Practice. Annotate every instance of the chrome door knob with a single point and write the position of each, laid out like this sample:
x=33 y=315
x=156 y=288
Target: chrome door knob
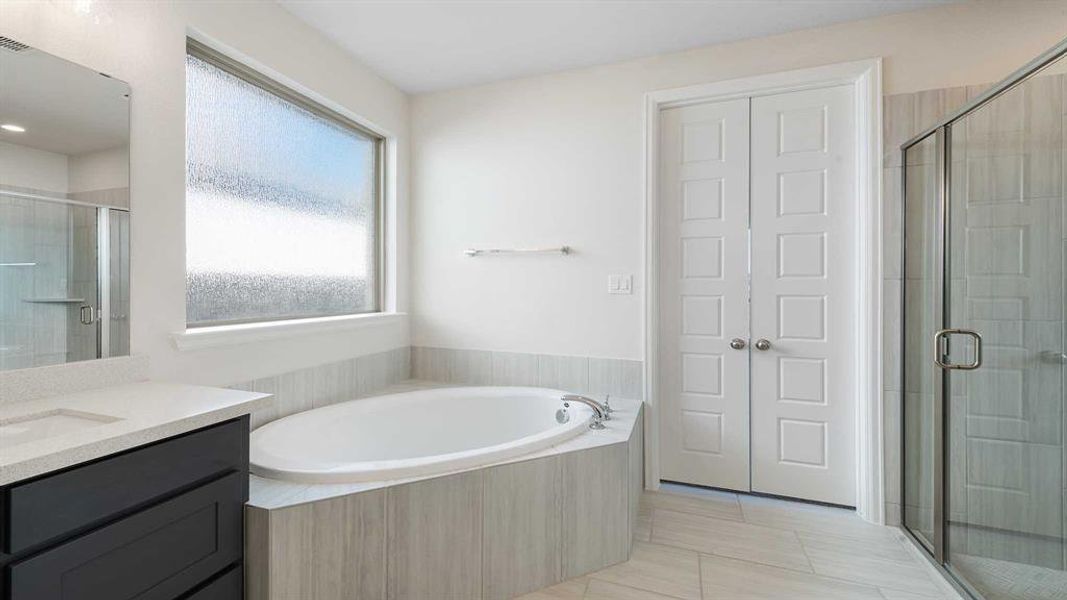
x=737 y=344
x=763 y=344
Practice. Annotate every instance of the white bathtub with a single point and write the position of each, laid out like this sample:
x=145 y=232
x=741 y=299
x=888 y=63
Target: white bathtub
x=412 y=434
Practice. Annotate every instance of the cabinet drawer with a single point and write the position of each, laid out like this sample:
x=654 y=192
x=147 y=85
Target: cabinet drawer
x=229 y=586
x=156 y=554
x=59 y=504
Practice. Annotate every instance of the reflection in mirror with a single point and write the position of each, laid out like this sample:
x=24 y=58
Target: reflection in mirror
x=64 y=210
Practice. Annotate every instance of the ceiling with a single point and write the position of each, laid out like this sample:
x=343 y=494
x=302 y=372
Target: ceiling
x=66 y=108
x=424 y=46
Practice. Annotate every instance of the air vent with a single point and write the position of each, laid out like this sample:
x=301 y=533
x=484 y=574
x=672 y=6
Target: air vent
x=11 y=45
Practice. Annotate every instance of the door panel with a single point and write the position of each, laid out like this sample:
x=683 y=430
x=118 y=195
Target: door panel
x=703 y=294
x=803 y=299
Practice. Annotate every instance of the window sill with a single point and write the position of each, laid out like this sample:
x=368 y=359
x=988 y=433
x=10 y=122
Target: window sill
x=230 y=335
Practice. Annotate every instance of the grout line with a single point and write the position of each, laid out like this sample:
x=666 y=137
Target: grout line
x=700 y=576
x=803 y=550
x=592 y=576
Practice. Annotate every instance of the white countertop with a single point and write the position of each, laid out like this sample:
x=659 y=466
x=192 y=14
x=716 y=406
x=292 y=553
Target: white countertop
x=143 y=412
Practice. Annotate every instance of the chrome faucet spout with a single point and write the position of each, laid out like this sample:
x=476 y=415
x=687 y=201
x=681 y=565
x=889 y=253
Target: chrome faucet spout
x=600 y=413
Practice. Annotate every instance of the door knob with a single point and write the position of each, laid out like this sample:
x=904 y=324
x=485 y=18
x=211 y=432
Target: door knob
x=763 y=344
x=737 y=343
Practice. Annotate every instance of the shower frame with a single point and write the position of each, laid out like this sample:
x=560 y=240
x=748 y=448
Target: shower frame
x=935 y=551
x=102 y=304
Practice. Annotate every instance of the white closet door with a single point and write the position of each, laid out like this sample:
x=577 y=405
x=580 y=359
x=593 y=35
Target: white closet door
x=803 y=296
x=703 y=295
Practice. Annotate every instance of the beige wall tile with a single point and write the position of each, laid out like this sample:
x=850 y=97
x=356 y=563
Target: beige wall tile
x=329 y=550
x=596 y=530
x=435 y=538
x=522 y=527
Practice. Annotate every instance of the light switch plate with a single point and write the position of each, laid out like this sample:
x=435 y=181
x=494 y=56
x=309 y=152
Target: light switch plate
x=620 y=284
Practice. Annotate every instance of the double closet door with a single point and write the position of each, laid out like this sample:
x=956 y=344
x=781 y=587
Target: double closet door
x=756 y=294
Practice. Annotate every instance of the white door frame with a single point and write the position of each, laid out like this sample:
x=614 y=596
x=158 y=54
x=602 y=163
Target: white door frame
x=866 y=77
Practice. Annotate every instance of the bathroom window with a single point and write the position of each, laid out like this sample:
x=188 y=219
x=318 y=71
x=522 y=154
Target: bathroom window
x=283 y=201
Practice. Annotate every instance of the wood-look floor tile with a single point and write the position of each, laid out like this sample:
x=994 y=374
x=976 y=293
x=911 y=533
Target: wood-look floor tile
x=720 y=506
x=888 y=548
x=831 y=557
x=729 y=538
x=661 y=569
x=731 y=579
x=892 y=594
x=571 y=589
x=783 y=514
x=602 y=590
x=643 y=527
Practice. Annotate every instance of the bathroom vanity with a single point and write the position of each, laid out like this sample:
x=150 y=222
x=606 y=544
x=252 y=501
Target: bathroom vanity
x=136 y=491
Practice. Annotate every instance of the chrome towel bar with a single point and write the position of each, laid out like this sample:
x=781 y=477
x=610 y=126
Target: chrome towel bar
x=476 y=252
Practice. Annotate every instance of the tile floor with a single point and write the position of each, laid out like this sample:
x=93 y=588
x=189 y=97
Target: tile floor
x=694 y=544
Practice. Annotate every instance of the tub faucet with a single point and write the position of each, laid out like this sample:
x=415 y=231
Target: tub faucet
x=600 y=414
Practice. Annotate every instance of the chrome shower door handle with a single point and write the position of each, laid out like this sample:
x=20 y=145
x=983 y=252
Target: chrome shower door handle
x=87 y=315
x=943 y=335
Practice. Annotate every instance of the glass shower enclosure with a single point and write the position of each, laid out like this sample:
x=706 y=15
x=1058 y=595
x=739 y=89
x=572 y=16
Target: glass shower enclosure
x=984 y=469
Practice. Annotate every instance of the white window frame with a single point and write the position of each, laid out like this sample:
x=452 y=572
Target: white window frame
x=226 y=334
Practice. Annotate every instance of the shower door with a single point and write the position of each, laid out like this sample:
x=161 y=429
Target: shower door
x=1005 y=419
x=984 y=464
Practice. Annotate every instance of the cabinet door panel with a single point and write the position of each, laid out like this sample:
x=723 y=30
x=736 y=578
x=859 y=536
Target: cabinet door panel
x=159 y=553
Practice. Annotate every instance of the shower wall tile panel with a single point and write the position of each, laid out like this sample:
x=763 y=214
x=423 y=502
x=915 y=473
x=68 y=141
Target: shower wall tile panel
x=993 y=175
x=34 y=334
x=904 y=116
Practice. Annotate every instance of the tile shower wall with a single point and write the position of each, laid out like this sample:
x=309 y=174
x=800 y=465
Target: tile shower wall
x=904 y=115
x=330 y=383
x=34 y=263
x=595 y=376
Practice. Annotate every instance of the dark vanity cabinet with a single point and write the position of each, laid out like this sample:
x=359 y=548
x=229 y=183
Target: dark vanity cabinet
x=160 y=521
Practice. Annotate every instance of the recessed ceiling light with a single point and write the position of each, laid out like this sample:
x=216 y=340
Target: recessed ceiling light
x=13 y=127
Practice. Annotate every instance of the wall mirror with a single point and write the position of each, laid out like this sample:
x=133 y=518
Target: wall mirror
x=64 y=210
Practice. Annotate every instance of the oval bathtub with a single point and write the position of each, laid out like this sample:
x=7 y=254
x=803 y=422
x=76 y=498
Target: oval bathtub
x=411 y=434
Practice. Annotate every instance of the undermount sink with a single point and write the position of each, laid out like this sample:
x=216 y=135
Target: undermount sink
x=42 y=425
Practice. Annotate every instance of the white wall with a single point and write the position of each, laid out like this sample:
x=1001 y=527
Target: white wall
x=558 y=159
x=21 y=166
x=100 y=170
x=143 y=43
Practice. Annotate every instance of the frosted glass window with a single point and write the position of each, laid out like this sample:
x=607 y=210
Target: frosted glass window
x=281 y=203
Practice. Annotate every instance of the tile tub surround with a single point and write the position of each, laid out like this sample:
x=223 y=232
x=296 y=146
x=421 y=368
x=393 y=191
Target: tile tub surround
x=142 y=413
x=330 y=383
x=579 y=374
x=41 y=382
x=491 y=532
